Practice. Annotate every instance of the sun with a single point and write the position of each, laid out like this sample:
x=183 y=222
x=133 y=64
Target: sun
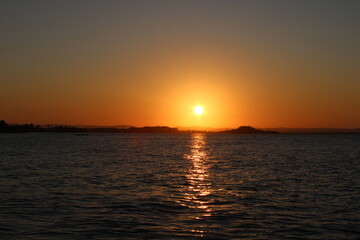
x=198 y=110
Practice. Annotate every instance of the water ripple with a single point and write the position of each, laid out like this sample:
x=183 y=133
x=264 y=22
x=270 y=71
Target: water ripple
x=158 y=186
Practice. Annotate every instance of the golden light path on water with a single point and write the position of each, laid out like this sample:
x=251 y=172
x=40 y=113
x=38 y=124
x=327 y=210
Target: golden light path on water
x=199 y=186
x=204 y=198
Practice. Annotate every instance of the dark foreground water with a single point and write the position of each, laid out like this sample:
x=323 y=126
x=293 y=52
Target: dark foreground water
x=152 y=186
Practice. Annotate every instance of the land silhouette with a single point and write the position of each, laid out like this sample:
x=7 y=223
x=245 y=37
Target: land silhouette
x=23 y=128
x=247 y=129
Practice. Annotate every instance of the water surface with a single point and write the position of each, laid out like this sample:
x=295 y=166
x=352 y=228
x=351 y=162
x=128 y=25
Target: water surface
x=179 y=186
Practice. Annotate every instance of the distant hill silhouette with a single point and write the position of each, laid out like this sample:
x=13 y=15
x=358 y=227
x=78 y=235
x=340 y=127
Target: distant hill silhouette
x=316 y=130
x=162 y=129
x=247 y=130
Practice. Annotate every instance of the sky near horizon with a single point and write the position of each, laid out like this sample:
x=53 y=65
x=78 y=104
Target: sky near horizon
x=262 y=63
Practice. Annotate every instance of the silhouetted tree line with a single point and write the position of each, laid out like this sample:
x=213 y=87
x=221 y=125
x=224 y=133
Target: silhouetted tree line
x=4 y=127
x=22 y=128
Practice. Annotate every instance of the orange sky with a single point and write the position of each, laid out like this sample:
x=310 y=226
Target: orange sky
x=151 y=64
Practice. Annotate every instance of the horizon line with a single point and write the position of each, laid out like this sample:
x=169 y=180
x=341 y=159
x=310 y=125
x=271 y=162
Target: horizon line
x=182 y=127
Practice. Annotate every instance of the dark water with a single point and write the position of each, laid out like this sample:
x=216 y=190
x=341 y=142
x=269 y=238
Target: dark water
x=139 y=186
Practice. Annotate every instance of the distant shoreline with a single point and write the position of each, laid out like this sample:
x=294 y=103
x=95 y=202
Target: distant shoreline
x=27 y=128
x=30 y=128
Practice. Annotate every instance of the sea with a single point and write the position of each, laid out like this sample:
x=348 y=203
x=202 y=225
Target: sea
x=179 y=186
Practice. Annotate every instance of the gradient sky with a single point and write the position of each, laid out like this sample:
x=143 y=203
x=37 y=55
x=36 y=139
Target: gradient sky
x=261 y=63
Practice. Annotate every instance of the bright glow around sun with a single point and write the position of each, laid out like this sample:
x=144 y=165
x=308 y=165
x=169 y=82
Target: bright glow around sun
x=198 y=110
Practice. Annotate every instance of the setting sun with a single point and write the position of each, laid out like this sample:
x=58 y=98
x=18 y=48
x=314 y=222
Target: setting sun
x=198 y=110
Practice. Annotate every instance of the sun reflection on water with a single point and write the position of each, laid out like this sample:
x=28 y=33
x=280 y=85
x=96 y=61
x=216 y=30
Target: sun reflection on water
x=199 y=186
